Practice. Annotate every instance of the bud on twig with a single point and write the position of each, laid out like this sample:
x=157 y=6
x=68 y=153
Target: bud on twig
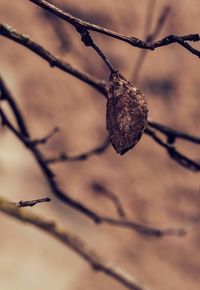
x=126 y=113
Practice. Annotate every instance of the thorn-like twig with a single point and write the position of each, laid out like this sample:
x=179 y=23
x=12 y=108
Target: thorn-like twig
x=30 y=203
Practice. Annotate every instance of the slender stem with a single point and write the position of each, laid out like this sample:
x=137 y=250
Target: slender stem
x=88 y=41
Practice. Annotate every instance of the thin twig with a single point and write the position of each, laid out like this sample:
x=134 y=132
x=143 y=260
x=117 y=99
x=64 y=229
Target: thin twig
x=11 y=33
x=74 y=243
x=30 y=203
x=88 y=41
x=159 y=24
x=173 y=153
x=76 y=22
x=48 y=173
x=149 y=17
x=59 y=30
x=6 y=96
x=173 y=134
x=63 y=157
x=150 y=37
x=146 y=230
x=45 y=139
x=100 y=189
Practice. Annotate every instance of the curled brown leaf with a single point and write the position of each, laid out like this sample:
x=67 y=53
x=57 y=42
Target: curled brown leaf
x=126 y=113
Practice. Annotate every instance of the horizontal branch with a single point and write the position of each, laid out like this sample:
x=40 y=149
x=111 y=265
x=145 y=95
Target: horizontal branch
x=180 y=158
x=77 y=23
x=30 y=203
x=63 y=157
x=74 y=243
x=9 y=32
x=173 y=134
x=145 y=230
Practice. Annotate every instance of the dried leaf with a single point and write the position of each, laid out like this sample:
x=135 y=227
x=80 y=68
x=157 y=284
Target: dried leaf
x=126 y=113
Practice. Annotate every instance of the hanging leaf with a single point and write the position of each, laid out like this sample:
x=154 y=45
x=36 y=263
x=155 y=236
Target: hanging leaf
x=126 y=113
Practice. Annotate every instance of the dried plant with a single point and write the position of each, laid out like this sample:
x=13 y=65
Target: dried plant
x=127 y=120
x=126 y=113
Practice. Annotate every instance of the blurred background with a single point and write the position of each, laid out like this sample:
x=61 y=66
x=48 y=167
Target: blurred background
x=153 y=188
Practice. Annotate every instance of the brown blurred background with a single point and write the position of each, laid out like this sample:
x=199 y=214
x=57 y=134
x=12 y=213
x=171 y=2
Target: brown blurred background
x=153 y=188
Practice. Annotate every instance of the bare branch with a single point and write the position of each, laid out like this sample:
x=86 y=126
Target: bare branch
x=64 y=197
x=21 y=132
x=63 y=157
x=172 y=134
x=74 y=243
x=88 y=41
x=76 y=22
x=100 y=189
x=146 y=230
x=173 y=153
x=171 y=137
x=59 y=30
x=151 y=4
x=150 y=36
x=159 y=24
x=6 y=96
x=48 y=173
x=9 y=32
x=97 y=84
x=30 y=203
x=46 y=138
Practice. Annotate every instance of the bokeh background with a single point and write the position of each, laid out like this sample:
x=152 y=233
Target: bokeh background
x=153 y=188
